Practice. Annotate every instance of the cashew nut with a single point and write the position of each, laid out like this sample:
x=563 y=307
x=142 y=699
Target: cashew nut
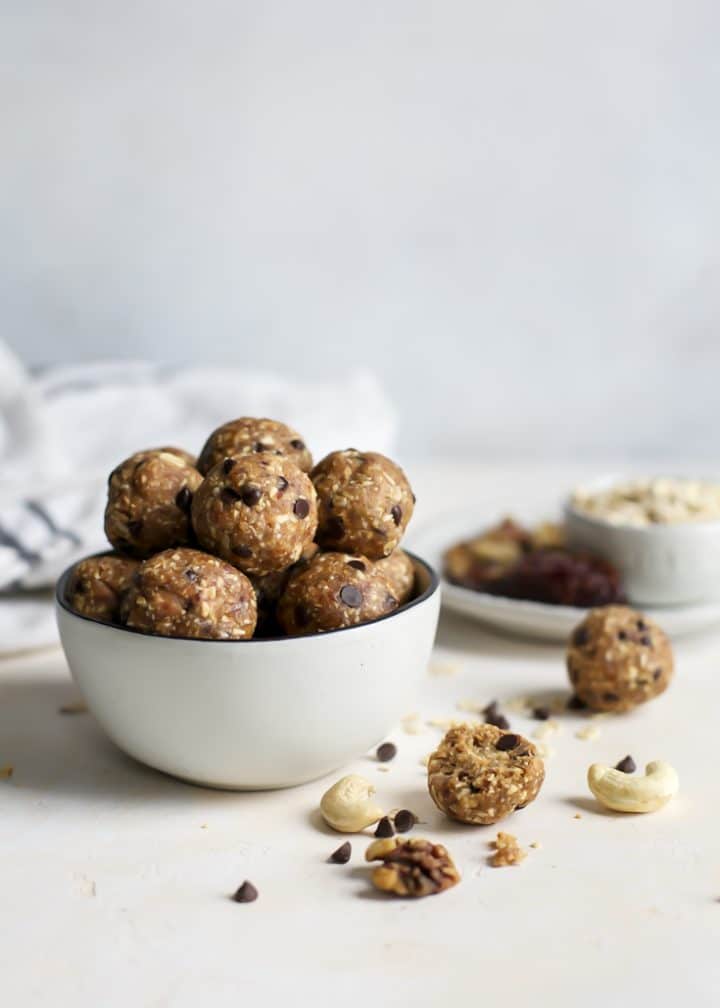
x=348 y=807
x=625 y=793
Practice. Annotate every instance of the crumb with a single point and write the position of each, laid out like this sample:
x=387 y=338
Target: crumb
x=544 y=751
x=383 y=769
x=577 y=815
x=588 y=733
x=412 y=724
x=517 y=704
x=535 y=845
x=76 y=707
x=546 y=728
x=6 y=771
x=444 y=723
x=470 y=706
x=203 y=825
x=443 y=668
x=507 y=851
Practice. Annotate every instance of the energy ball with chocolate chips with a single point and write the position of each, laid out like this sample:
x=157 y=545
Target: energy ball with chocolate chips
x=97 y=585
x=186 y=593
x=364 y=503
x=479 y=774
x=399 y=569
x=254 y=436
x=269 y=589
x=149 y=498
x=618 y=658
x=334 y=590
x=258 y=512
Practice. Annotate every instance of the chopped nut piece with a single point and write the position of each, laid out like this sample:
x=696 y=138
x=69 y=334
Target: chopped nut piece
x=548 y=727
x=507 y=851
x=577 y=816
x=412 y=867
x=77 y=707
x=535 y=844
x=6 y=772
x=443 y=669
x=588 y=733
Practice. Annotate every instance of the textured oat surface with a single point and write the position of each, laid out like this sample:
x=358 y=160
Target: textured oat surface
x=399 y=569
x=97 y=585
x=253 y=435
x=364 y=503
x=618 y=658
x=334 y=590
x=186 y=593
x=149 y=498
x=480 y=774
x=258 y=512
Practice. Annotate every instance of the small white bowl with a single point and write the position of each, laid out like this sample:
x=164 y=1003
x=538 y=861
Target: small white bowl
x=258 y=713
x=661 y=565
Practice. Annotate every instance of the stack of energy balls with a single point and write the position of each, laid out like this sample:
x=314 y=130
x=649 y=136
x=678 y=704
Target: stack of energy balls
x=249 y=539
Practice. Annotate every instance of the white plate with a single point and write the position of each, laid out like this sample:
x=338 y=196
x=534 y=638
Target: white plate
x=531 y=619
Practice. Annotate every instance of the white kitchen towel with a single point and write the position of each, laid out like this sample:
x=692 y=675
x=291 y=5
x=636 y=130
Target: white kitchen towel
x=61 y=433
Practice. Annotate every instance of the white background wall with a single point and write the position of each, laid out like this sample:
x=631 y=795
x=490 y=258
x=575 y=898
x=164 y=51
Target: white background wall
x=509 y=209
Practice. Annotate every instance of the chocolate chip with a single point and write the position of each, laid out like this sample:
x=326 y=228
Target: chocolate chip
x=302 y=616
x=228 y=465
x=297 y=444
x=404 y=820
x=541 y=713
x=641 y=625
x=575 y=703
x=81 y=587
x=396 y=512
x=610 y=697
x=581 y=636
x=342 y=854
x=351 y=596
x=494 y=717
x=414 y=499
x=191 y=575
x=500 y=721
x=230 y=495
x=622 y=635
x=247 y=893
x=135 y=527
x=657 y=673
x=506 y=742
x=250 y=495
x=626 y=765
x=386 y=752
x=282 y=484
x=384 y=828
x=183 y=499
x=519 y=808
x=301 y=507
x=357 y=564
x=242 y=551
x=259 y=447
x=647 y=641
x=334 y=528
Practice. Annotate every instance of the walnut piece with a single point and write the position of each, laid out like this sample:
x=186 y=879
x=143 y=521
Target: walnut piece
x=507 y=851
x=411 y=867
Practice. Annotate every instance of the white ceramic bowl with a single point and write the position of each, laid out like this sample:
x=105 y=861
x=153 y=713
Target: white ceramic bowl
x=661 y=565
x=257 y=713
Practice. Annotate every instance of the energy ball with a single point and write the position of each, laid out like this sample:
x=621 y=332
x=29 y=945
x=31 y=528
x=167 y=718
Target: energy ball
x=334 y=590
x=186 y=593
x=97 y=585
x=149 y=498
x=479 y=774
x=253 y=436
x=618 y=658
x=399 y=569
x=364 y=503
x=258 y=512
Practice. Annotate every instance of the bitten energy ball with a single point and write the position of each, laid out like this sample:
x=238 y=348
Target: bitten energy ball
x=364 y=503
x=149 y=498
x=399 y=569
x=334 y=590
x=618 y=658
x=479 y=774
x=258 y=512
x=97 y=585
x=186 y=593
x=253 y=436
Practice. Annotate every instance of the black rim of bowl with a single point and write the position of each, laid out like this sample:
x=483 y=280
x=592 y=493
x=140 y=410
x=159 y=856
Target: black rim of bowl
x=61 y=585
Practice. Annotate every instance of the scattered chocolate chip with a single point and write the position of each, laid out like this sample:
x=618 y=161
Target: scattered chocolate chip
x=228 y=465
x=297 y=444
x=342 y=854
x=657 y=673
x=301 y=507
x=357 y=564
x=493 y=716
x=541 y=713
x=334 y=528
x=135 y=527
x=302 y=616
x=506 y=742
x=384 y=828
x=626 y=765
x=230 y=495
x=404 y=820
x=183 y=499
x=247 y=893
x=242 y=551
x=414 y=499
x=351 y=596
x=396 y=512
x=386 y=752
x=622 y=635
x=610 y=697
x=575 y=703
x=282 y=484
x=191 y=575
x=581 y=636
x=250 y=495
x=647 y=641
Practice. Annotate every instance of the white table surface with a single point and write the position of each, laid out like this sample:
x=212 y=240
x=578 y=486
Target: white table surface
x=115 y=879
